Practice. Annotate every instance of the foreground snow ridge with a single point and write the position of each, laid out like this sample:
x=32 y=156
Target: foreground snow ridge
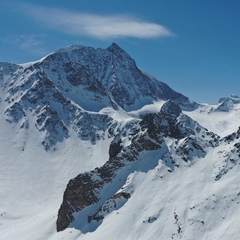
x=93 y=148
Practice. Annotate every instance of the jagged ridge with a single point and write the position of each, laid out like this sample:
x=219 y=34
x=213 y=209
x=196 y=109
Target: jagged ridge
x=85 y=191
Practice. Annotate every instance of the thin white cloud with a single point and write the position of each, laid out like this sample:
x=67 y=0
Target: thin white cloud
x=33 y=43
x=97 y=26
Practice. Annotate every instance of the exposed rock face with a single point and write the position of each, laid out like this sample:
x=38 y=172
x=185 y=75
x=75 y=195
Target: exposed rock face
x=83 y=186
x=114 y=203
x=171 y=108
x=231 y=157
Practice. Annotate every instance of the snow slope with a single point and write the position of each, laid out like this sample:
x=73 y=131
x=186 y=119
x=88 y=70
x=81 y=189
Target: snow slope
x=219 y=122
x=32 y=181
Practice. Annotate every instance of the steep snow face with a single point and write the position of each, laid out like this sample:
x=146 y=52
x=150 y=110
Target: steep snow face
x=75 y=82
x=55 y=101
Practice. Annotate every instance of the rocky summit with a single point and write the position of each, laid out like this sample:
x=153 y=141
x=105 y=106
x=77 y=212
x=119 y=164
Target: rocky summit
x=94 y=148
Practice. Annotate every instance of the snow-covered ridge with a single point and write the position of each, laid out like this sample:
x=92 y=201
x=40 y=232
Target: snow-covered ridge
x=221 y=118
x=234 y=98
x=70 y=48
x=78 y=81
x=128 y=86
x=227 y=103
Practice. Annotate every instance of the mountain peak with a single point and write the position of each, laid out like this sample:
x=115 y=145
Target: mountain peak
x=118 y=73
x=114 y=48
x=233 y=97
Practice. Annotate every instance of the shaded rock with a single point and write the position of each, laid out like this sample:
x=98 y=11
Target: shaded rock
x=114 y=203
x=171 y=108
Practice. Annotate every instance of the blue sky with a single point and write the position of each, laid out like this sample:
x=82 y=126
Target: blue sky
x=191 y=45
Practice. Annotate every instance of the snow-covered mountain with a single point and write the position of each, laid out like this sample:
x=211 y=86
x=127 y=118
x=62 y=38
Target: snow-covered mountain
x=127 y=85
x=94 y=148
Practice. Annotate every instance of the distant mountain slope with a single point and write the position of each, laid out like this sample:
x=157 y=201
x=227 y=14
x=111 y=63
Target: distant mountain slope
x=221 y=118
x=227 y=103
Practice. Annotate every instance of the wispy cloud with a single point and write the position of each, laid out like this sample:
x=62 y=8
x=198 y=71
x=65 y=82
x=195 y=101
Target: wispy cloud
x=33 y=43
x=97 y=26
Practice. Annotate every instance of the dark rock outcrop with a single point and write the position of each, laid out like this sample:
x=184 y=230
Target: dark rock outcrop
x=86 y=189
x=94 y=192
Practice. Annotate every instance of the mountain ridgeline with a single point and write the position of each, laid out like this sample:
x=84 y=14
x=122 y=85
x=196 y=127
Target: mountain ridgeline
x=124 y=83
x=63 y=87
